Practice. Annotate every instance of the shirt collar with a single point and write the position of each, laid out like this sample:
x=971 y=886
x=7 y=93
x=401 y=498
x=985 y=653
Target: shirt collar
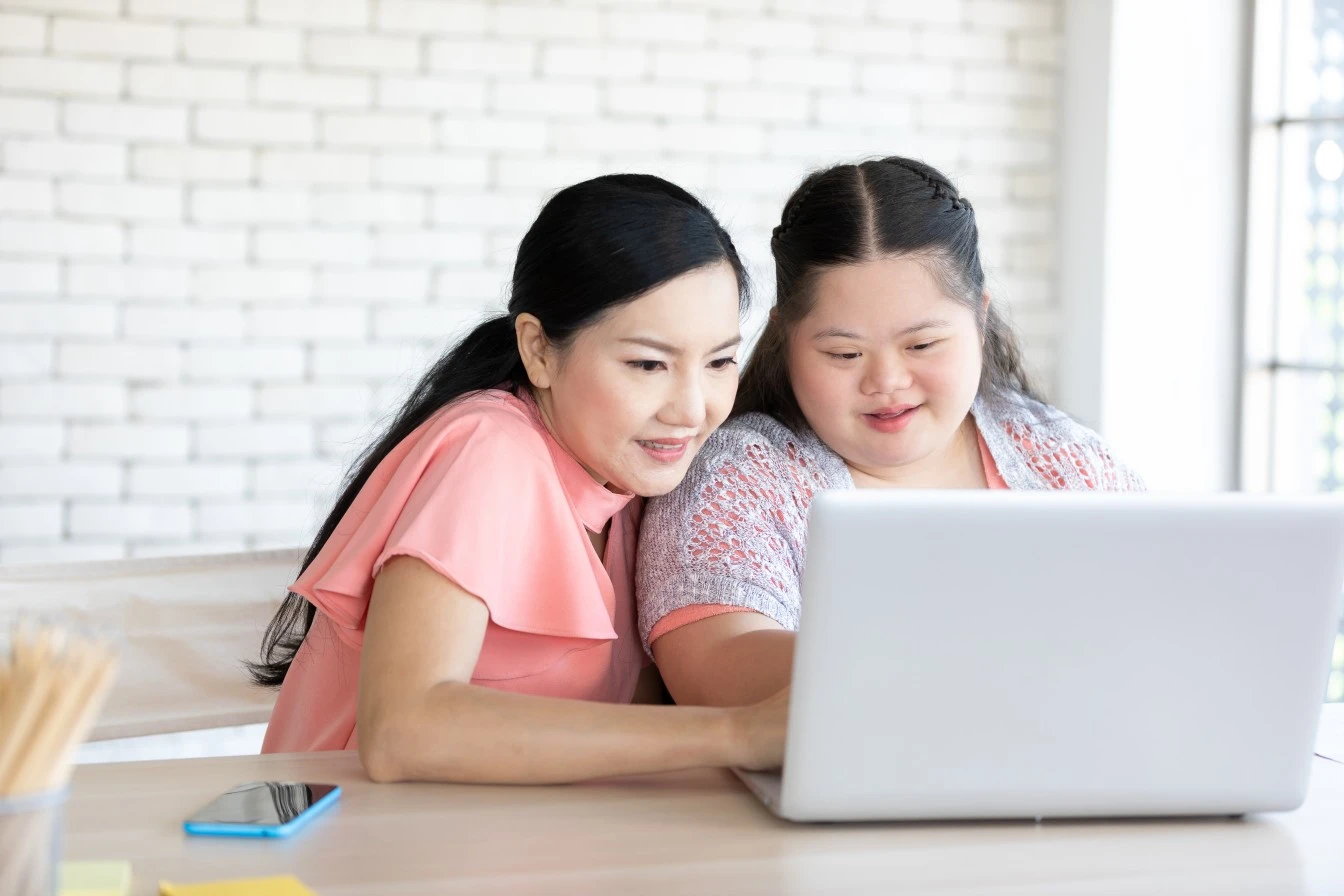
x=595 y=503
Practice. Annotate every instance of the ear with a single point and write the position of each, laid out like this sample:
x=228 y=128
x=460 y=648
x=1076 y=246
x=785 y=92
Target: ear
x=535 y=349
x=984 y=302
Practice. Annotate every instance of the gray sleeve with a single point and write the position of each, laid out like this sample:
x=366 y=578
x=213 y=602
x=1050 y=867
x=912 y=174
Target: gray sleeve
x=728 y=535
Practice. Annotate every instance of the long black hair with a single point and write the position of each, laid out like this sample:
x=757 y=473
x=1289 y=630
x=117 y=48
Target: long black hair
x=849 y=214
x=594 y=246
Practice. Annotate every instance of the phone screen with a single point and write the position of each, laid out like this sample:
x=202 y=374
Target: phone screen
x=262 y=803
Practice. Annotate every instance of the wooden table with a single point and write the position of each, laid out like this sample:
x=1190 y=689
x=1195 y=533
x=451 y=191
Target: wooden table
x=697 y=832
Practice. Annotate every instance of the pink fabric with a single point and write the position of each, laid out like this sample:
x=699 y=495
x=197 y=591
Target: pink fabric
x=992 y=477
x=483 y=494
x=696 y=612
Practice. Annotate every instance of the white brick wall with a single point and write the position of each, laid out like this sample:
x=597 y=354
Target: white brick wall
x=232 y=232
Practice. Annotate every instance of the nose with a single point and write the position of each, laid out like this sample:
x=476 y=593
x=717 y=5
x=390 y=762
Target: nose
x=886 y=373
x=685 y=406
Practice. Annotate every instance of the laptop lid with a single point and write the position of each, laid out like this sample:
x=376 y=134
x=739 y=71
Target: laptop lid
x=1000 y=654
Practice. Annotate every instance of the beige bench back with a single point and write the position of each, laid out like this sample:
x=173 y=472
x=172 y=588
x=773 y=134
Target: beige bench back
x=188 y=624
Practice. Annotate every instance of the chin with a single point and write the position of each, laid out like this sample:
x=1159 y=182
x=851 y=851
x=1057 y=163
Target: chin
x=656 y=482
x=654 y=486
x=876 y=457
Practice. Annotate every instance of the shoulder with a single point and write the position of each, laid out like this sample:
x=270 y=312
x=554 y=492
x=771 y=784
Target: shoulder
x=753 y=465
x=1015 y=412
x=491 y=425
x=1039 y=446
x=749 y=429
x=481 y=444
x=1023 y=416
x=761 y=444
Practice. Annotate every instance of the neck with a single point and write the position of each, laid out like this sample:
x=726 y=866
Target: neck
x=956 y=465
x=542 y=398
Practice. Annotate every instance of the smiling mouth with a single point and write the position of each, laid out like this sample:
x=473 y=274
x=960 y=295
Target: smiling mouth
x=891 y=419
x=664 y=451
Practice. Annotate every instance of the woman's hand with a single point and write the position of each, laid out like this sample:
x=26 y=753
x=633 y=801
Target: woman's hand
x=760 y=729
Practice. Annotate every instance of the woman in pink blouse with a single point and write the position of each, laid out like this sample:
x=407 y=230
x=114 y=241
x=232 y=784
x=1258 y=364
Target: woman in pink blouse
x=884 y=365
x=466 y=611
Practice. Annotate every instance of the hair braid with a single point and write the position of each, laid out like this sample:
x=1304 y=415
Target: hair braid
x=791 y=210
x=942 y=188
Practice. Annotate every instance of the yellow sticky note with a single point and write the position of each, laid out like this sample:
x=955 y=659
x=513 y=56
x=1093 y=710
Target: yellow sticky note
x=282 y=885
x=95 y=878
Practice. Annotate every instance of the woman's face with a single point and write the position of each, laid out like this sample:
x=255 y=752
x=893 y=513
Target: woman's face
x=635 y=395
x=886 y=365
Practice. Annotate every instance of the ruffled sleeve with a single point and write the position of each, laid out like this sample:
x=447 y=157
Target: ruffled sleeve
x=475 y=495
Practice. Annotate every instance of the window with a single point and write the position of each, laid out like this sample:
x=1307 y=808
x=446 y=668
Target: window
x=1293 y=393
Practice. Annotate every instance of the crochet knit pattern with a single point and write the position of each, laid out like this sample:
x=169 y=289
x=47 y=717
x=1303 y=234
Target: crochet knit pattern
x=734 y=532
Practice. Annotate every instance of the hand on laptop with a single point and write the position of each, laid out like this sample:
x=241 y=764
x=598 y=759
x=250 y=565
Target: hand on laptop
x=761 y=729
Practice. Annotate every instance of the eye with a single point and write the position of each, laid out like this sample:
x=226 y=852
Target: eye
x=647 y=366
x=723 y=363
x=924 y=345
x=843 y=356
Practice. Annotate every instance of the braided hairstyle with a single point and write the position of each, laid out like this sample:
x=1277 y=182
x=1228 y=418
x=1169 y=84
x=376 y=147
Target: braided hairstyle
x=849 y=214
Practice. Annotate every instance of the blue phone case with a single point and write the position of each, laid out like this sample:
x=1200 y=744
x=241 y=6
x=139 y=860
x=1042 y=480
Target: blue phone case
x=214 y=829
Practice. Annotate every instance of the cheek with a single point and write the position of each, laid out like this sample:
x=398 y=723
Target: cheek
x=953 y=374
x=600 y=408
x=622 y=413
x=720 y=393
x=816 y=386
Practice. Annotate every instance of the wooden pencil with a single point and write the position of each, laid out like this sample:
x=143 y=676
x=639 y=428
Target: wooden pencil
x=53 y=684
x=51 y=690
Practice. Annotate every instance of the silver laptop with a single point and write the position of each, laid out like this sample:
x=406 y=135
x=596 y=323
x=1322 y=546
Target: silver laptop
x=1018 y=655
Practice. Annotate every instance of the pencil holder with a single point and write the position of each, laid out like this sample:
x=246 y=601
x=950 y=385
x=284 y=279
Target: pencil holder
x=53 y=681
x=30 y=842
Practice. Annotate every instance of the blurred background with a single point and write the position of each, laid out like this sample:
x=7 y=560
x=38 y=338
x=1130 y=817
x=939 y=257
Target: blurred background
x=233 y=232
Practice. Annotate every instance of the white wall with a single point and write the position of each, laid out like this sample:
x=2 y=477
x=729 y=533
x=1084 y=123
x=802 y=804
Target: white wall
x=1151 y=224
x=232 y=230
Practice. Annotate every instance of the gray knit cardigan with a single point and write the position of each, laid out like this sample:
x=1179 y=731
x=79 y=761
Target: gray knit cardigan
x=734 y=532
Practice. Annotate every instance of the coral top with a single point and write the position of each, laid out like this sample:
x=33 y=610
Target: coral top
x=483 y=494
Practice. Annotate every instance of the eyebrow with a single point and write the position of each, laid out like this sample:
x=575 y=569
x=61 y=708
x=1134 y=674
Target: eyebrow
x=837 y=333
x=672 y=349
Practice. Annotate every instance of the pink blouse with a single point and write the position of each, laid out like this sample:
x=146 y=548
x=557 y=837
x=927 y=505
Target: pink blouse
x=483 y=494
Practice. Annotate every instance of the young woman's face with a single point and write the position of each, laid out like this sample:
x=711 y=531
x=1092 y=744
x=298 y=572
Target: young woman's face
x=634 y=396
x=886 y=365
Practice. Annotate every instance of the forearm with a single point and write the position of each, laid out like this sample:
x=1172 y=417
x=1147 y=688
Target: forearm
x=471 y=734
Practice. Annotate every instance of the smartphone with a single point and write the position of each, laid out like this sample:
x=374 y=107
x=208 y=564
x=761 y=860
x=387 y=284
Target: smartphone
x=262 y=809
